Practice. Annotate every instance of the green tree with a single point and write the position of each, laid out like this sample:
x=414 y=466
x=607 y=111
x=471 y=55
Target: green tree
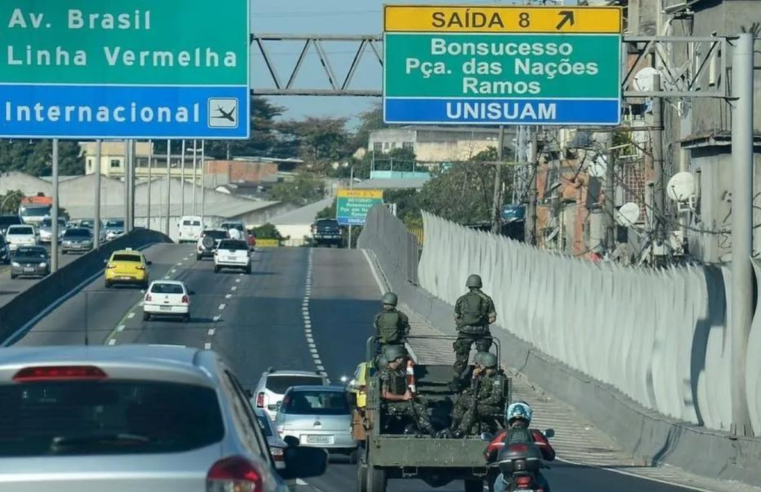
x=10 y=202
x=35 y=157
x=303 y=190
x=319 y=141
x=268 y=231
x=368 y=121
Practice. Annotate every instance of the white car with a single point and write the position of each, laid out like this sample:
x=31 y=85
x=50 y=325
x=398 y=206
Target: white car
x=21 y=235
x=231 y=226
x=169 y=298
x=232 y=253
x=190 y=229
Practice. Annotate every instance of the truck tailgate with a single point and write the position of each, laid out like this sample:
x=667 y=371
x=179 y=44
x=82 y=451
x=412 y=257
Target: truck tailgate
x=407 y=451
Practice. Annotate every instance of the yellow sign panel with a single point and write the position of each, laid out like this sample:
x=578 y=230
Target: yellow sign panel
x=360 y=193
x=267 y=243
x=508 y=19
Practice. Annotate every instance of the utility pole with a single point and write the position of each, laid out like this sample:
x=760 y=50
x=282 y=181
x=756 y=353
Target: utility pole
x=195 y=176
x=126 y=185
x=150 y=184
x=182 y=180
x=351 y=187
x=530 y=219
x=742 y=227
x=168 y=186
x=96 y=224
x=203 y=185
x=496 y=208
x=609 y=205
x=659 y=184
x=132 y=172
x=54 y=214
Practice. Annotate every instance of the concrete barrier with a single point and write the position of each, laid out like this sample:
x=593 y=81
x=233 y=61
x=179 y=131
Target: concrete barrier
x=642 y=432
x=15 y=317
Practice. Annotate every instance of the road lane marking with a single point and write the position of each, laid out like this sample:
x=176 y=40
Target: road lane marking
x=237 y=280
x=222 y=306
x=233 y=288
x=131 y=315
x=211 y=332
x=207 y=346
x=112 y=341
x=308 y=320
x=216 y=318
x=227 y=296
x=120 y=328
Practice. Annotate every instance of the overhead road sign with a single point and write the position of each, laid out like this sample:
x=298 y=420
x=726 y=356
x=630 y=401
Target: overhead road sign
x=502 y=65
x=352 y=206
x=124 y=69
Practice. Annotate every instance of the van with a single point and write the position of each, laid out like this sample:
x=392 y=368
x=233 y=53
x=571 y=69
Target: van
x=190 y=229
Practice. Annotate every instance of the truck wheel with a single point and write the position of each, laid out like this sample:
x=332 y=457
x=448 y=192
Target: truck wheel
x=474 y=485
x=376 y=479
x=354 y=457
x=361 y=477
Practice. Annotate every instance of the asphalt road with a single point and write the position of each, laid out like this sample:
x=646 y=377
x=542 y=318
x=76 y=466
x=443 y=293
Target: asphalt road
x=260 y=320
x=11 y=288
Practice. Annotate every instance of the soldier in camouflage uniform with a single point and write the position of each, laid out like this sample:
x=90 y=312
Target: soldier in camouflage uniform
x=473 y=313
x=484 y=398
x=391 y=326
x=397 y=398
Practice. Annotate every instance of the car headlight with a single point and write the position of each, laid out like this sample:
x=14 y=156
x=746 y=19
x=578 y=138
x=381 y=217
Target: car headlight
x=16 y=264
x=43 y=264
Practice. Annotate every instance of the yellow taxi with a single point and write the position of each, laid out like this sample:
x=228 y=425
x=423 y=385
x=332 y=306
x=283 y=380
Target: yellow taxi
x=358 y=384
x=127 y=267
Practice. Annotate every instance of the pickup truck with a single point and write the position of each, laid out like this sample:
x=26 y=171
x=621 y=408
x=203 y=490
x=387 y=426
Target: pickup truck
x=385 y=454
x=327 y=231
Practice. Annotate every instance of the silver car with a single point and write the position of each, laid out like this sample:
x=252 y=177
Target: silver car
x=277 y=445
x=113 y=228
x=46 y=229
x=318 y=417
x=133 y=418
x=273 y=384
x=30 y=261
x=77 y=240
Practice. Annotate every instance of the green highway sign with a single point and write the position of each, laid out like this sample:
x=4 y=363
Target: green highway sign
x=125 y=69
x=352 y=206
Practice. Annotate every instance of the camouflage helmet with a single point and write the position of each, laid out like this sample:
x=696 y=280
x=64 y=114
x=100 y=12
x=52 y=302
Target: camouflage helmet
x=382 y=362
x=393 y=352
x=474 y=282
x=390 y=299
x=486 y=359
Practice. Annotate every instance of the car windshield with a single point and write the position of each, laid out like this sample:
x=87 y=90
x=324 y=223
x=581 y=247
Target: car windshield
x=76 y=418
x=36 y=211
x=36 y=253
x=125 y=257
x=115 y=223
x=316 y=403
x=233 y=245
x=327 y=224
x=21 y=231
x=167 y=288
x=195 y=223
x=77 y=233
x=216 y=234
x=264 y=423
x=280 y=384
x=87 y=223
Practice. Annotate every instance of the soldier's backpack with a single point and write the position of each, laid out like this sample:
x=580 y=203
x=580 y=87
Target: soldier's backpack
x=474 y=310
x=388 y=327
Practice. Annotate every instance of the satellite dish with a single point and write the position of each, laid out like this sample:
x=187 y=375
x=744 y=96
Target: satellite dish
x=628 y=214
x=643 y=81
x=681 y=187
x=598 y=166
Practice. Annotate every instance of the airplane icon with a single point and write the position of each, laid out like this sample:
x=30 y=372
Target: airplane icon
x=225 y=115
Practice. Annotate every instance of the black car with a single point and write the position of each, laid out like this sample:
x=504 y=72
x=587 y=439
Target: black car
x=327 y=231
x=9 y=220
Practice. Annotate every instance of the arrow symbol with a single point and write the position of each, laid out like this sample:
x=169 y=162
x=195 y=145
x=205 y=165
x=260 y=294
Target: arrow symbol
x=567 y=16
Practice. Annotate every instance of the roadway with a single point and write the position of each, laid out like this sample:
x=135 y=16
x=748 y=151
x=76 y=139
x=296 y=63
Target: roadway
x=11 y=288
x=259 y=320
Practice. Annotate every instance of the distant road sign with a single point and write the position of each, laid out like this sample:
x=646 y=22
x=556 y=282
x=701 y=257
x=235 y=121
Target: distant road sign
x=125 y=69
x=352 y=205
x=502 y=65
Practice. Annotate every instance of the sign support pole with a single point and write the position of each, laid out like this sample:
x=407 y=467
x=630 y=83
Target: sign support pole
x=496 y=212
x=351 y=187
x=182 y=180
x=96 y=225
x=168 y=186
x=203 y=185
x=54 y=212
x=150 y=183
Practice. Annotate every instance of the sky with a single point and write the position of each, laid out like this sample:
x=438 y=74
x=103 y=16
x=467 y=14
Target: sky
x=325 y=17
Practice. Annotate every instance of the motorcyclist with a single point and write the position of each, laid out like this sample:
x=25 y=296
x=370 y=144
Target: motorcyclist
x=518 y=417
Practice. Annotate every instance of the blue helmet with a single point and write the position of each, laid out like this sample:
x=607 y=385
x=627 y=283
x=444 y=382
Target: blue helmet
x=519 y=410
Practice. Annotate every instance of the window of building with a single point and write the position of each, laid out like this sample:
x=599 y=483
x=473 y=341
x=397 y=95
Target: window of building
x=408 y=146
x=89 y=164
x=116 y=163
x=377 y=147
x=385 y=145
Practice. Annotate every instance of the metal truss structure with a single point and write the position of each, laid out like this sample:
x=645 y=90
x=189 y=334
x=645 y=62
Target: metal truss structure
x=702 y=74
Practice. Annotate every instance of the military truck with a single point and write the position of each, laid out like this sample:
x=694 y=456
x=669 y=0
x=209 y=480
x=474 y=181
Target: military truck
x=388 y=449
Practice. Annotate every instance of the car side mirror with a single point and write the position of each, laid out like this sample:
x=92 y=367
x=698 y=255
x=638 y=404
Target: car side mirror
x=291 y=441
x=105 y=262
x=304 y=462
x=192 y=293
x=549 y=433
x=487 y=436
x=148 y=262
x=249 y=393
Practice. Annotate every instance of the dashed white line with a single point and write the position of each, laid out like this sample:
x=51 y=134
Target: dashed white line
x=237 y=280
x=308 y=321
x=227 y=296
x=222 y=306
x=120 y=328
x=321 y=368
x=207 y=346
x=211 y=332
x=233 y=288
x=310 y=340
x=130 y=315
x=316 y=356
x=112 y=341
x=216 y=318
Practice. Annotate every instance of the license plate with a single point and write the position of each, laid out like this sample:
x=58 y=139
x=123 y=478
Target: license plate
x=125 y=278
x=319 y=439
x=166 y=308
x=28 y=270
x=231 y=258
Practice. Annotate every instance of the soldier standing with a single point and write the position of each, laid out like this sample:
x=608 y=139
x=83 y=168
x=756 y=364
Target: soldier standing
x=484 y=398
x=391 y=325
x=396 y=395
x=473 y=313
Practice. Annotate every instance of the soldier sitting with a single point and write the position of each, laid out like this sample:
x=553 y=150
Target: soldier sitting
x=391 y=325
x=397 y=398
x=485 y=397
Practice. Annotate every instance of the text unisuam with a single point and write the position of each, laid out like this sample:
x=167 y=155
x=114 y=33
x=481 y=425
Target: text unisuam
x=116 y=55
x=501 y=111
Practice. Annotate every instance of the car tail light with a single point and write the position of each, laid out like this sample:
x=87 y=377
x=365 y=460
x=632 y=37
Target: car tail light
x=148 y=298
x=523 y=481
x=58 y=372
x=260 y=400
x=185 y=299
x=518 y=448
x=234 y=474
x=277 y=454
